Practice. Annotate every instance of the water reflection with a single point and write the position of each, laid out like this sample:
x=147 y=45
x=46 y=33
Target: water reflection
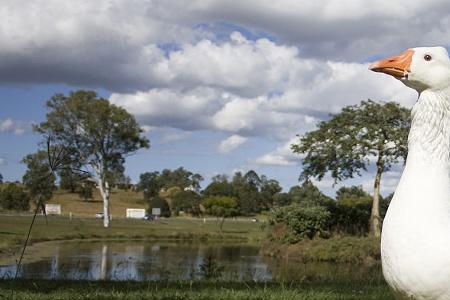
x=141 y=261
x=174 y=261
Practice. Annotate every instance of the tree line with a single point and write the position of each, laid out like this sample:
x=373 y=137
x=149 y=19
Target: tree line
x=85 y=140
x=303 y=208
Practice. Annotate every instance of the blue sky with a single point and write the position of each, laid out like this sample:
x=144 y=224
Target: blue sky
x=170 y=148
x=219 y=86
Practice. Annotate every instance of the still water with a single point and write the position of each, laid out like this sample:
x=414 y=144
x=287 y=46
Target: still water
x=141 y=260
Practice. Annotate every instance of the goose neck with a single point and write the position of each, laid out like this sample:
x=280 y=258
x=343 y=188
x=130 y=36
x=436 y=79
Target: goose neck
x=429 y=137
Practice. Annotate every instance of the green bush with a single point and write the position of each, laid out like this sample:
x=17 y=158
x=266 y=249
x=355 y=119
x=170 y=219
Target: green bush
x=14 y=197
x=304 y=221
x=352 y=215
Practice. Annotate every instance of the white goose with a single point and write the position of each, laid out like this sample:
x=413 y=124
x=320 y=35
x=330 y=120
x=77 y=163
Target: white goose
x=415 y=242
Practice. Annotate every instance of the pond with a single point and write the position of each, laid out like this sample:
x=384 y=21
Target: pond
x=142 y=260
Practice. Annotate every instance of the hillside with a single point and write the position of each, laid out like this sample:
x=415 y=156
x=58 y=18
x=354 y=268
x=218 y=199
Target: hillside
x=120 y=200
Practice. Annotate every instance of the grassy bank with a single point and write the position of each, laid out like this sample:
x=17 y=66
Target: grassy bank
x=336 y=249
x=14 y=228
x=197 y=290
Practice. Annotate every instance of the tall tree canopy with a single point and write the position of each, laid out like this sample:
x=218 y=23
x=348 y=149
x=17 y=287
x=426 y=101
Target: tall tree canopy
x=219 y=186
x=181 y=178
x=150 y=184
x=345 y=144
x=95 y=134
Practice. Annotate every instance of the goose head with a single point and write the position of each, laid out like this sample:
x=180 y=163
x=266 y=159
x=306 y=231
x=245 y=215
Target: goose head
x=419 y=68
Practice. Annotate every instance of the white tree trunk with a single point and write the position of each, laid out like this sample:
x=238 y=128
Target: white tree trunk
x=104 y=191
x=375 y=218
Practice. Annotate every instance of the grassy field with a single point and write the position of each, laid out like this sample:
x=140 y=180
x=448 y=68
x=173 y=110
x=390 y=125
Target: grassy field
x=13 y=230
x=197 y=290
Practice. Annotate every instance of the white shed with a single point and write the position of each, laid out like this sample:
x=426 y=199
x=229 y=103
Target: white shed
x=135 y=213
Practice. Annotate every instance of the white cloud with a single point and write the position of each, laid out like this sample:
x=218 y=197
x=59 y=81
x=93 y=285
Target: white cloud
x=281 y=156
x=262 y=68
x=2 y=161
x=13 y=126
x=130 y=45
x=231 y=143
x=279 y=94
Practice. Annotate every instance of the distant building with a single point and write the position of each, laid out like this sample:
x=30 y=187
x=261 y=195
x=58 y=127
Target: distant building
x=136 y=213
x=53 y=209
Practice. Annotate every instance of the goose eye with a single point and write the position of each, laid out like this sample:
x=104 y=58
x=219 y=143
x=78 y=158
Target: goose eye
x=427 y=57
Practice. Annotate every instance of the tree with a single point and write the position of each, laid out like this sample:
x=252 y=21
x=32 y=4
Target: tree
x=220 y=186
x=352 y=211
x=123 y=182
x=186 y=201
x=69 y=180
x=150 y=184
x=344 y=145
x=246 y=192
x=268 y=189
x=308 y=193
x=161 y=203
x=39 y=178
x=1 y=178
x=14 y=197
x=85 y=189
x=353 y=192
x=181 y=178
x=282 y=199
x=253 y=180
x=221 y=207
x=95 y=134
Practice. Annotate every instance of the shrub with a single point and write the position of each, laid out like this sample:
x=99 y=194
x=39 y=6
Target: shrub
x=14 y=197
x=304 y=221
x=352 y=215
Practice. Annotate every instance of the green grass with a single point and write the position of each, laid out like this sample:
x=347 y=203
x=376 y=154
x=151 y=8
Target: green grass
x=197 y=290
x=13 y=230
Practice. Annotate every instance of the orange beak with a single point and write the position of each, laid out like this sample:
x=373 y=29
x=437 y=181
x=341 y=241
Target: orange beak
x=398 y=66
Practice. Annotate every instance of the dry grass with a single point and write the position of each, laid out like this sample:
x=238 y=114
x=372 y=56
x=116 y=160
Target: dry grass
x=120 y=201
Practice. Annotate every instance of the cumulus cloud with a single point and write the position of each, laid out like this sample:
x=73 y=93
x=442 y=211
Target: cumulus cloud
x=231 y=143
x=12 y=126
x=123 y=45
x=285 y=95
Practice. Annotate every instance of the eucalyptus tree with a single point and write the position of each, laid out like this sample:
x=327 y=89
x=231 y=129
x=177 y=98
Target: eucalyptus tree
x=94 y=134
x=347 y=143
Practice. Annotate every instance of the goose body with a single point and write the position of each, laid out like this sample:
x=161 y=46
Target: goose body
x=415 y=241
